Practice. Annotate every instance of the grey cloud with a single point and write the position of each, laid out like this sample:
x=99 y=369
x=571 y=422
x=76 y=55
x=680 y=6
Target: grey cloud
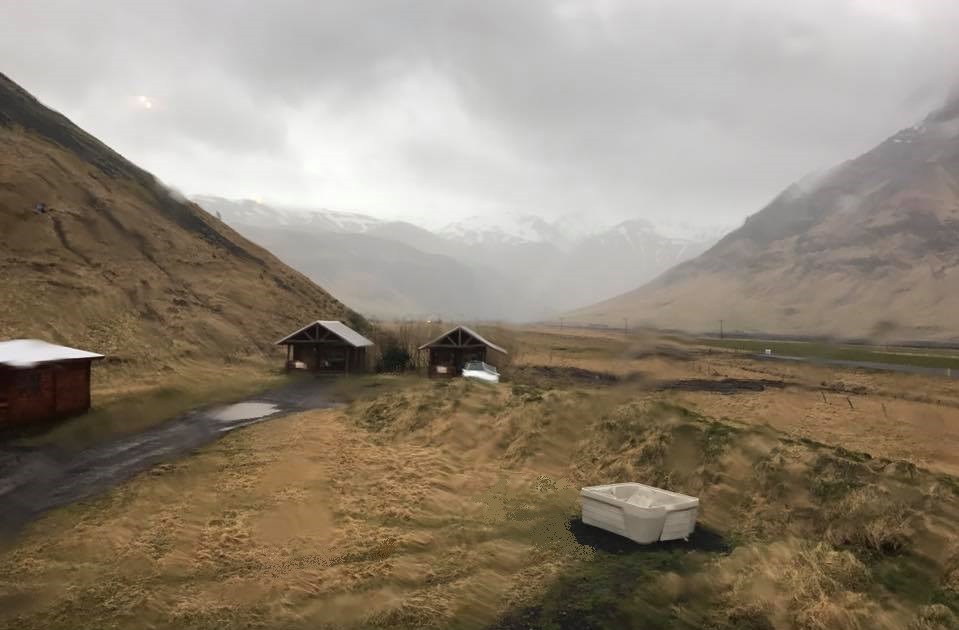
x=654 y=108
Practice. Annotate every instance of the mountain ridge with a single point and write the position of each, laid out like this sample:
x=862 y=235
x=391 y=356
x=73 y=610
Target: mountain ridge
x=867 y=248
x=512 y=276
x=120 y=264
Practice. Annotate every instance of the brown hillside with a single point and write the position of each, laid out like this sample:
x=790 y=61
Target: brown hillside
x=870 y=248
x=120 y=264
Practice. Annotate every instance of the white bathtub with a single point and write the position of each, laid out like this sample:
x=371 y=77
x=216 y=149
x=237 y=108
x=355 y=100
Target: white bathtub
x=641 y=513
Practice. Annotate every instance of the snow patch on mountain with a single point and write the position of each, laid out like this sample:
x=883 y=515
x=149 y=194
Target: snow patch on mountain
x=563 y=232
x=500 y=230
x=569 y=230
x=257 y=214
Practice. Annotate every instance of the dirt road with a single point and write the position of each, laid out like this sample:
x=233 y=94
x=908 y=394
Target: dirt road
x=36 y=479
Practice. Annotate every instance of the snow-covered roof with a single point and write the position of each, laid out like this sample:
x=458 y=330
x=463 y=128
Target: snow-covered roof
x=339 y=329
x=29 y=352
x=470 y=332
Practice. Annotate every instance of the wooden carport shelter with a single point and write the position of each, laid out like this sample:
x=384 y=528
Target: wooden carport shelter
x=326 y=346
x=453 y=349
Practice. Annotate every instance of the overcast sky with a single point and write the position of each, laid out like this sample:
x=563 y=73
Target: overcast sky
x=693 y=109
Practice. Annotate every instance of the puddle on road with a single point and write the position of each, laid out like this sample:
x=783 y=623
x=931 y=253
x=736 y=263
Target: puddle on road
x=244 y=411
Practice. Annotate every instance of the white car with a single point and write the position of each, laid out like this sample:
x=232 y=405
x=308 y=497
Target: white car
x=481 y=371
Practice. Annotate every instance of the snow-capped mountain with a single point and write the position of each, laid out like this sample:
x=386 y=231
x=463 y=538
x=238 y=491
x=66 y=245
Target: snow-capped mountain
x=641 y=237
x=568 y=231
x=255 y=213
x=524 y=266
x=614 y=260
x=506 y=229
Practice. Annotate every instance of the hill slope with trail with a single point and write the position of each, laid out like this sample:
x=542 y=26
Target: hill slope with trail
x=117 y=263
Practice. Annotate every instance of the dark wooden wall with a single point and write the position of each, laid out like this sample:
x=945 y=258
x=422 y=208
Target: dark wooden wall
x=343 y=358
x=453 y=359
x=45 y=392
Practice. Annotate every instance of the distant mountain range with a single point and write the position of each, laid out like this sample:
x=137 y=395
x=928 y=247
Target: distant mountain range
x=568 y=231
x=869 y=248
x=120 y=264
x=518 y=267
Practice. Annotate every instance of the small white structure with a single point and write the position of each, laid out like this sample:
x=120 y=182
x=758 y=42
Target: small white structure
x=641 y=513
x=480 y=371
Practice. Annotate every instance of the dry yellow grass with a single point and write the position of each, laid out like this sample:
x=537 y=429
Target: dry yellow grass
x=453 y=504
x=301 y=520
x=888 y=415
x=799 y=584
x=901 y=416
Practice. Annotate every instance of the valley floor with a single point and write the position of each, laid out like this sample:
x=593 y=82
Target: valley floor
x=828 y=502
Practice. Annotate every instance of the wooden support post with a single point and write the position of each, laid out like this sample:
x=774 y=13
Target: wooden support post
x=850 y=402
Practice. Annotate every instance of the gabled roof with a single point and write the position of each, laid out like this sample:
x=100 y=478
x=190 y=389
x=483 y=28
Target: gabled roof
x=468 y=331
x=29 y=352
x=339 y=329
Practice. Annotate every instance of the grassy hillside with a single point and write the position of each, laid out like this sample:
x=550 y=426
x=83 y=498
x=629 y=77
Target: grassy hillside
x=120 y=264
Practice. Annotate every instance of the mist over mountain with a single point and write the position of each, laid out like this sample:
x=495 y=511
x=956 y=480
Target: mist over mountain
x=515 y=267
x=866 y=248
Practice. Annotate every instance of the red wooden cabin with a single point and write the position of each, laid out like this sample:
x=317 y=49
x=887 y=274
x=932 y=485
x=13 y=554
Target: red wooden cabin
x=41 y=381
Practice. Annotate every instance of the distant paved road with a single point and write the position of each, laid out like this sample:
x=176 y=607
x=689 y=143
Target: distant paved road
x=34 y=480
x=868 y=365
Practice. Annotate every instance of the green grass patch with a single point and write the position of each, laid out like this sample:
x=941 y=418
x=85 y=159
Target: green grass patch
x=716 y=438
x=910 y=577
x=843 y=352
x=832 y=478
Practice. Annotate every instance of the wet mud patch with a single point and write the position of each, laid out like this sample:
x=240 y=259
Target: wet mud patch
x=672 y=353
x=567 y=376
x=722 y=386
